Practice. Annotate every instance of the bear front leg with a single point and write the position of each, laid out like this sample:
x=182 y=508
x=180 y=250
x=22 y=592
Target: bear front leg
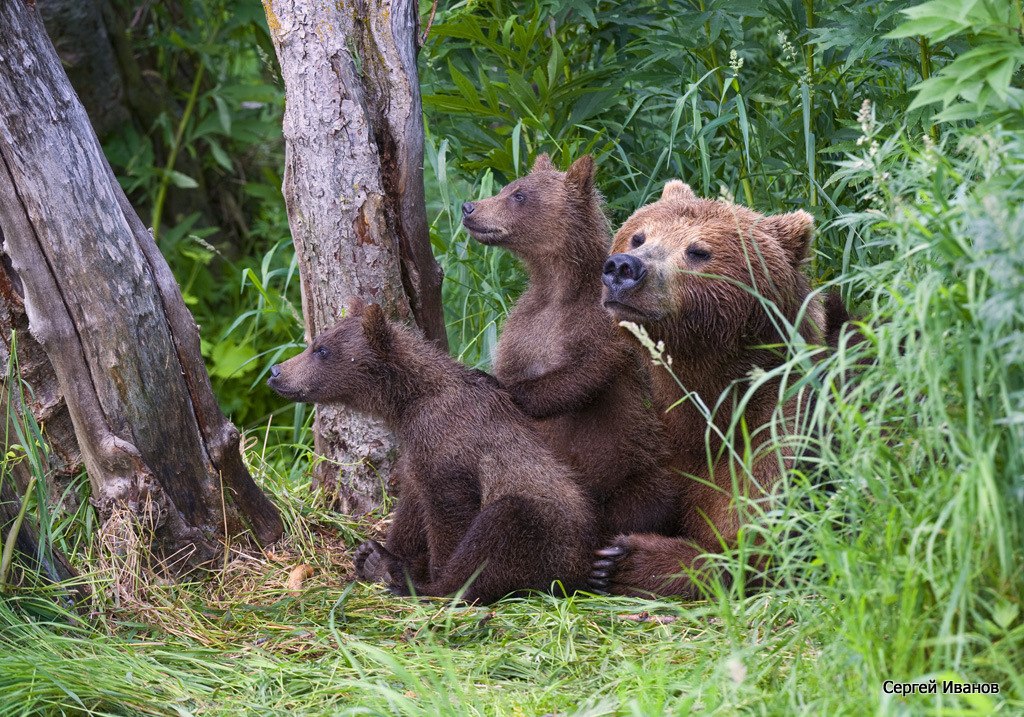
x=374 y=564
x=647 y=565
x=407 y=534
x=588 y=371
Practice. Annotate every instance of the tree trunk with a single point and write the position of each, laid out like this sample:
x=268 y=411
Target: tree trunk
x=353 y=184
x=103 y=304
x=32 y=407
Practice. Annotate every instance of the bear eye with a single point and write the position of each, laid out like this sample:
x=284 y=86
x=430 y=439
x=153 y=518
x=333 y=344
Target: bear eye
x=637 y=240
x=519 y=197
x=321 y=351
x=696 y=253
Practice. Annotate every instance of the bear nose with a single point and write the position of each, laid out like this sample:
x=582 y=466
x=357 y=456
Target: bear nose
x=275 y=371
x=467 y=208
x=623 y=271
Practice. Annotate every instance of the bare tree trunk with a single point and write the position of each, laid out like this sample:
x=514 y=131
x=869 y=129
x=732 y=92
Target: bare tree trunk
x=103 y=304
x=31 y=397
x=41 y=396
x=353 y=184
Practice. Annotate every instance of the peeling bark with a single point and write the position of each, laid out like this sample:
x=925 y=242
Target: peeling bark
x=353 y=185
x=102 y=303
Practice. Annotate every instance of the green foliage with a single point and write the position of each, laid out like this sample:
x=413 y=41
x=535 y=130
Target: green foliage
x=982 y=76
x=223 y=227
x=748 y=99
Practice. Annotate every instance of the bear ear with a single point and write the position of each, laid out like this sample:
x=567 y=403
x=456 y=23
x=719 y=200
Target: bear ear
x=355 y=307
x=676 y=189
x=542 y=163
x=376 y=329
x=793 y=230
x=580 y=176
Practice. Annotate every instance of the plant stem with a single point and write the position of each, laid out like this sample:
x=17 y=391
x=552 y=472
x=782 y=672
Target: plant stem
x=926 y=72
x=808 y=98
x=714 y=55
x=12 y=536
x=161 y=195
x=809 y=55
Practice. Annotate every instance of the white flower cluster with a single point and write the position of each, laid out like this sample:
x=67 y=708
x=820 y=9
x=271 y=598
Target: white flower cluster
x=735 y=62
x=789 y=51
x=657 y=350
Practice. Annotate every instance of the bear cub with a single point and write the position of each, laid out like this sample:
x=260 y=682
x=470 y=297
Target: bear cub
x=484 y=504
x=562 y=357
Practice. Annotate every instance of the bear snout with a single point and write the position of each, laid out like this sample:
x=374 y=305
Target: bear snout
x=281 y=386
x=623 y=272
x=467 y=208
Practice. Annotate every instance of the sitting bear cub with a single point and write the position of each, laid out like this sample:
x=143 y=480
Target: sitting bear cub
x=484 y=504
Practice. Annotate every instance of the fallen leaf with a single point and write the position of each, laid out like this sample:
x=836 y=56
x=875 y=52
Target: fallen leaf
x=297 y=576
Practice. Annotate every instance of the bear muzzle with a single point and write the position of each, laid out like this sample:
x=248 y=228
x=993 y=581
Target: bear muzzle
x=622 y=274
x=280 y=385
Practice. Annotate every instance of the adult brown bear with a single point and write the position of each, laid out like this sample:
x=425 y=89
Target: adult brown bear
x=484 y=503
x=718 y=284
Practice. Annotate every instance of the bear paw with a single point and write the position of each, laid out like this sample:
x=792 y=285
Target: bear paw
x=372 y=563
x=604 y=569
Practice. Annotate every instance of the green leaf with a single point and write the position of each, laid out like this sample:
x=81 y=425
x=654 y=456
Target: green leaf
x=935 y=29
x=223 y=113
x=181 y=180
x=1004 y=613
x=934 y=89
x=230 y=359
x=219 y=155
x=555 y=62
x=465 y=87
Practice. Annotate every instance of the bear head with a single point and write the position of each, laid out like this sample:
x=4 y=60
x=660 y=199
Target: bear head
x=697 y=273
x=347 y=364
x=540 y=216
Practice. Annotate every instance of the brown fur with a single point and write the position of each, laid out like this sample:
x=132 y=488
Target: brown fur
x=716 y=332
x=563 y=359
x=480 y=492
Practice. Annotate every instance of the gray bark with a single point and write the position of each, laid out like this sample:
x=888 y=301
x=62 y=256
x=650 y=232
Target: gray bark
x=32 y=397
x=103 y=304
x=353 y=184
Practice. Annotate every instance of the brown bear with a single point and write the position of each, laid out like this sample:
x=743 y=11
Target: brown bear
x=719 y=284
x=562 y=357
x=484 y=505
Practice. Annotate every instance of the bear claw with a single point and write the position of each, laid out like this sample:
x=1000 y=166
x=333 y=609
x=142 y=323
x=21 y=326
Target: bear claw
x=603 y=569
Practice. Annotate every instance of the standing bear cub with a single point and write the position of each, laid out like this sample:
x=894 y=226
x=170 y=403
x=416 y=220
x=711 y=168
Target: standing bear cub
x=484 y=504
x=562 y=357
x=719 y=284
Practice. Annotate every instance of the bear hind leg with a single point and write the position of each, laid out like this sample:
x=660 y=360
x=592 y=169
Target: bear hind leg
x=514 y=545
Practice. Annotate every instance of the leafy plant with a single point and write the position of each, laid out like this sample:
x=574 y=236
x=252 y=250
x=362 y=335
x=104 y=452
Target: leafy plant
x=983 y=76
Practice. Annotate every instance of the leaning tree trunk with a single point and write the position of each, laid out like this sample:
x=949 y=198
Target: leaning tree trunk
x=104 y=306
x=353 y=129
x=32 y=411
